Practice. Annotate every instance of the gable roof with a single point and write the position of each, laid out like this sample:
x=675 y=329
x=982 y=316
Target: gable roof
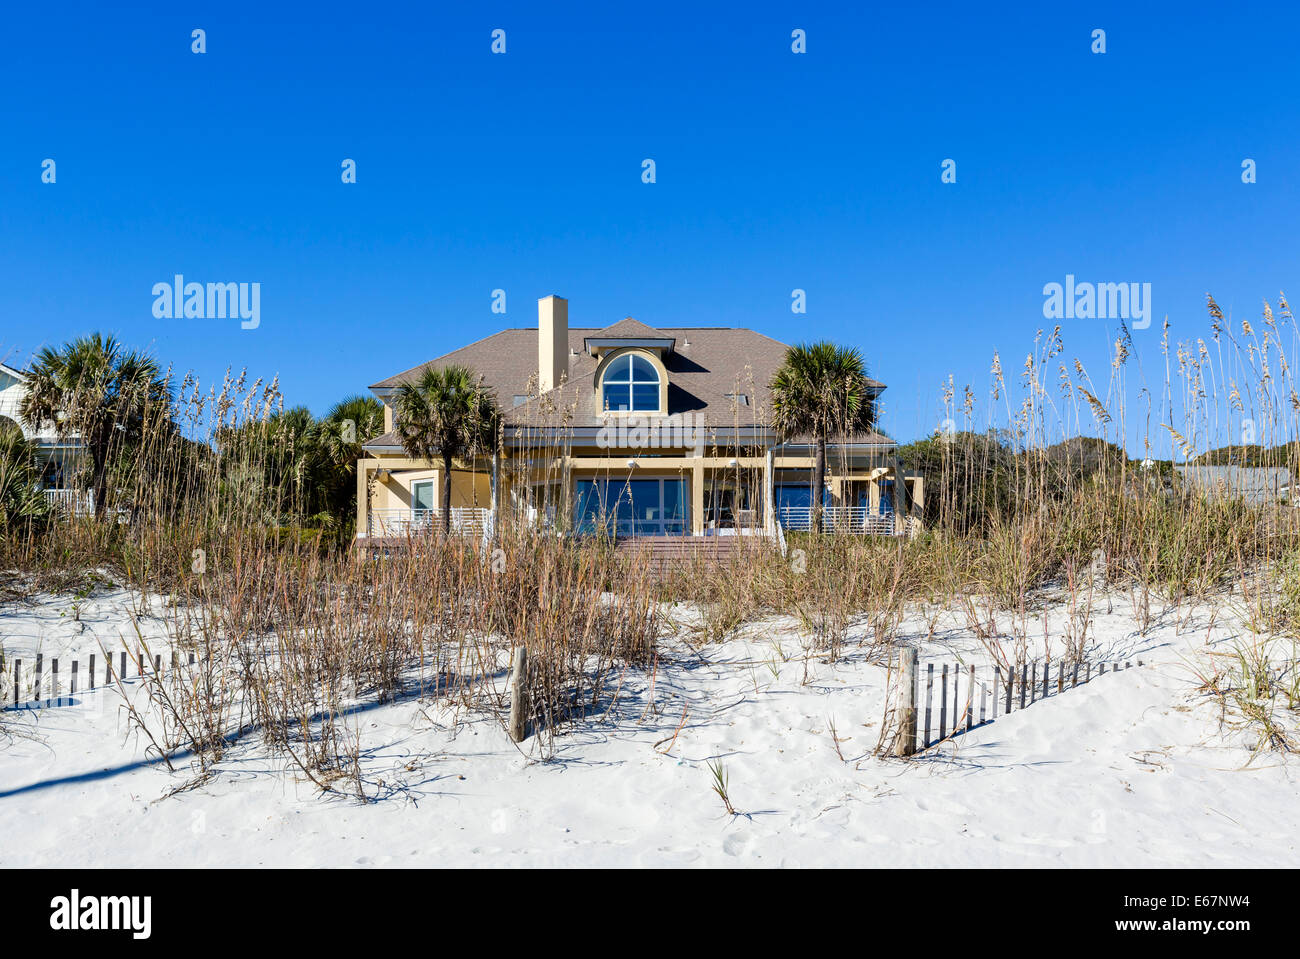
x=707 y=368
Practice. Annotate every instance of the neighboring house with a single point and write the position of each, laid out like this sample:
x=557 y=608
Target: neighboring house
x=56 y=456
x=641 y=431
x=1257 y=485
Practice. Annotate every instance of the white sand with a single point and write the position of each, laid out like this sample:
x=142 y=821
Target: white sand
x=1130 y=770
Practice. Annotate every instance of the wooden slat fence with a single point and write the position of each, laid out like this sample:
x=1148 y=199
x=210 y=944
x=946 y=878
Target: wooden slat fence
x=24 y=685
x=955 y=698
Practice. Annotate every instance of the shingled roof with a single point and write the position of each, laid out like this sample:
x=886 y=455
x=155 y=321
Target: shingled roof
x=707 y=368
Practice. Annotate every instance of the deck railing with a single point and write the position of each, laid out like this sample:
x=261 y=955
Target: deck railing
x=839 y=519
x=465 y=521
x=71 y=501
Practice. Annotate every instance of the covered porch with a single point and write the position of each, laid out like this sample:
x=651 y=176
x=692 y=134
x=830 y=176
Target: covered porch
x=640 y=496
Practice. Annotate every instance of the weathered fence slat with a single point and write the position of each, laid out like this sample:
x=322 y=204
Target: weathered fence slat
x=929 y=698
x=72 y=690
x=970 y=701
x=943 y=704
x=36 y=688
x=1024 y=678
x=90 y=673
x=997 y=689
x=54 y=679
x=984 y=704
x=18 y=671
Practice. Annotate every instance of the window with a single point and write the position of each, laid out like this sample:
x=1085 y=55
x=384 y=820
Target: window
x=639 y=507
x=631 y=384
x=422 y=495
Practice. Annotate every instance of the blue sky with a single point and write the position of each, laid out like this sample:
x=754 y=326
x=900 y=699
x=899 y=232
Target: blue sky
x=522 y=171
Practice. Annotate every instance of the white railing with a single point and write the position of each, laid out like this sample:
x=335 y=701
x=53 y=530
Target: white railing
x=839 y=519
x=74 y=502
x=465 y=521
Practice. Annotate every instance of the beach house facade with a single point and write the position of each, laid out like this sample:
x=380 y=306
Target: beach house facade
x=635 y=431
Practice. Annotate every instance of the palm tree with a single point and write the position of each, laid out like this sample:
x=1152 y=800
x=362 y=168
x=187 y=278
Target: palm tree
x=821 y=389
x=447 y=412
x=95 y=390
x=19 y=497
x=348 y=424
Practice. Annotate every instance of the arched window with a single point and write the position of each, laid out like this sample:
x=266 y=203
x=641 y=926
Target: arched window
x=631 y=384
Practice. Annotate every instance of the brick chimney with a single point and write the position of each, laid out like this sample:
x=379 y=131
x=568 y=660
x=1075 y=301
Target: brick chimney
x=552 y=342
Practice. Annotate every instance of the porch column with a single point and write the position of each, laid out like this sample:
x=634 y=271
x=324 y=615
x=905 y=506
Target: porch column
x=697 y=499
x=496 y=480
x=363 y=483
x=769 y=493
x=900 y=497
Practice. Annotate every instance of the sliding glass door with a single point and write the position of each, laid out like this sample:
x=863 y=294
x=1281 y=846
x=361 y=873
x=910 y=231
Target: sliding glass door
x=637 y=507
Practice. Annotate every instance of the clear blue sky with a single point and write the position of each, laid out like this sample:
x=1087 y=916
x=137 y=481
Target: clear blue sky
x=523 y=172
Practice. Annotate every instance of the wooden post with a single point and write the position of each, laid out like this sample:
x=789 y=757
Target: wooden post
x=908 y=660
x=1075 y=679
x=1087 y=671
x=191 y=659
x=36 y=690
x=90 y=673
x=943 y=703
x=997 y=689
x=984 y=705
x=1033 y=684
x=18 y=671
x=157 y=663
x=73 y=690
x=1101 y=670
x=929 y=699
x=54 y=679
x=1060 y=677
x=1024 y=676
x=121 y=673
x=519 y=695
x=174 y=660
x=1047 y=677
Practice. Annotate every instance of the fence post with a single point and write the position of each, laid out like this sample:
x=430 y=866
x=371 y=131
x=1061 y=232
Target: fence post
x=18 y=670
x=73 y=690
x=1024 y=676
x=1075 y=678
x=908 y=659
x=997 y=689
x=984 y=704
x=970 y=701
x=54 y=679
x=90 y=673
x=36 y=690
x=121 y=662
x=519 y=695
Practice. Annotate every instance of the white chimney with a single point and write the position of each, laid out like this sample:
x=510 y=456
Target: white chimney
x=552 y=342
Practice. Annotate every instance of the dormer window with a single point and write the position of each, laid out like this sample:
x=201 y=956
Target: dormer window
x=631 y=385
